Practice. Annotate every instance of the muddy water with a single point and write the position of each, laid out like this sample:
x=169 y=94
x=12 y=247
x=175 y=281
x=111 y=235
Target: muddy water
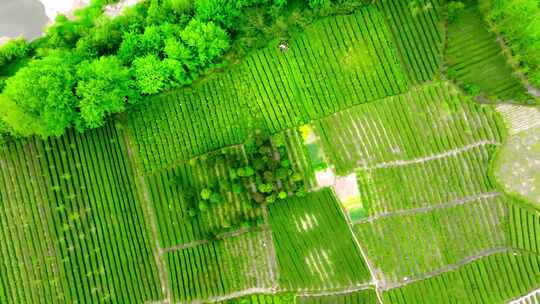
x=22 y=17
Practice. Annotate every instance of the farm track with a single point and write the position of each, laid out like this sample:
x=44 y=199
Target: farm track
x=453 y=152
x=274 y=273
x=458 y=202
x=335 y=292
x=222 y=236
x=149 y=215
x=450 y=267
x=374 y=280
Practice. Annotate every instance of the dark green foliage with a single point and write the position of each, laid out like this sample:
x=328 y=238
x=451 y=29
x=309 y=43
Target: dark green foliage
x=13 y=49
x=103 y=88
x=519 y=22
x=454 y=7
x=151 y=76
x=206 y=40
x=39 y=98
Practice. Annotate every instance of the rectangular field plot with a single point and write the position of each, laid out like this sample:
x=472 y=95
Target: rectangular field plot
x=336 y=63
x=427 y=122
x=298 y=154
x=474 y=57
x=191 y=121
x=434 y=182
x=493 y=279
x=73 y=222
x=220 y=268
x=524 y=227
x=417 y=28
x=315 y=248
x=367 y=296
x=410 y=245
x=175 y=194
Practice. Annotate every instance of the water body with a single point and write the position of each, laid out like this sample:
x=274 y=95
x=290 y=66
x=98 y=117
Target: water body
x=22 y=17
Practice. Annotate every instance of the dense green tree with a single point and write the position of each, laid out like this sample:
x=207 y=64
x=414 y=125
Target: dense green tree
x=519 y=22
x=104 y=86
x=39 y=99
x=13 y=49
x=205 y=39
x=150 y=74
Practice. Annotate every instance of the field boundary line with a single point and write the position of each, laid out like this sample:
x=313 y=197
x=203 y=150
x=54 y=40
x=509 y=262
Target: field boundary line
x=526 y=297
x=478 y=256
x=307 y=294
x=376 y=282
x=219 y=237
x=272 y=255
x=448 y=153
x=237 y=294
x=148 y=210
x=458 y=202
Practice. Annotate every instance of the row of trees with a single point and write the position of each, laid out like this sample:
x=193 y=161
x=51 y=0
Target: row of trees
x=519 y=22
x=84 y=70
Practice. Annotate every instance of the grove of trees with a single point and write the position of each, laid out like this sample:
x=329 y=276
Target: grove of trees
x=519 y=23
x=85 y=69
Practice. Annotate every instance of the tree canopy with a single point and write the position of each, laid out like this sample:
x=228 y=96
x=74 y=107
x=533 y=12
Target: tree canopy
x=88 y=68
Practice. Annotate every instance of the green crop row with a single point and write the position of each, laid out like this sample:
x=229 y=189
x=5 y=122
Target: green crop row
x=430 y=120
x=182 y=124
x=493 y=279
x=413 y=244
x=428 y=183
x=336 y=63
x=314 y=247
x=220 y=267
x=73 y=222
x=475 y=58
x=417 y=28
x=524 y=228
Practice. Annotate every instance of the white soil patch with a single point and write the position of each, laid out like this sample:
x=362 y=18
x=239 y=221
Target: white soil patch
x=519 y=164
x=345 y=187
x=519 y=118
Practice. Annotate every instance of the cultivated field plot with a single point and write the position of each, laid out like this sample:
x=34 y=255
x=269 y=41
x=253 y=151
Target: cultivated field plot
x=474 y=58
x=188 y=122
x=446 y=180
x=367 y=296
x=524 y=228
x=298 y=154
x=405 y=246
x=315 y=248
x=432 y=121
x=175 y=193
x=336 y=63
x=492 y=279
x=73 y=222
x=417 y=29
x=221 y=267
